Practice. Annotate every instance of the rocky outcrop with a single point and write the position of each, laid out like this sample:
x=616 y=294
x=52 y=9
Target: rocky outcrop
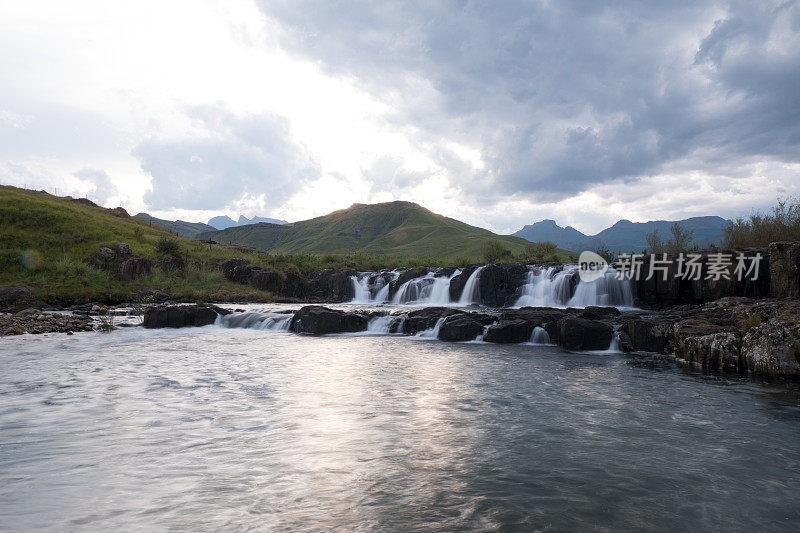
x=331 y=285
x=148 y=295
x=180 y=316
x=650 y=334
x=124 y=249
x=784 y=269
x=171 y=263
x=422 y=319
x=10 y=296
x=500 y=283
x=35 y=321
x=132 y=268
x=576 y=333
x=237 y=270
x=658 y=292
x=461 y=327
x=267 y=280
x=508 y=330
x=319 y=320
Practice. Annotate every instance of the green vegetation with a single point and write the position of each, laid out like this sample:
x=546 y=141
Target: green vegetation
x=543 y=252
x=393 y=228
x=751 y=321
x=167 y=246
x=680 y=241
x=495 y=252
x=759 y=230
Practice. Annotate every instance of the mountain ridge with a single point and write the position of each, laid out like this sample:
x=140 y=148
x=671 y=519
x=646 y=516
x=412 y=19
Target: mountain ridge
x=624 y=235
x=392 y=228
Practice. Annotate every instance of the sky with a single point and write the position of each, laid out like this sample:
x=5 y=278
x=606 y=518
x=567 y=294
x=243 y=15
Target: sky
x=499 y=114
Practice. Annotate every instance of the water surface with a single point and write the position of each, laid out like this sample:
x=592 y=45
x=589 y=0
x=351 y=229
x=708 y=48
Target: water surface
x=214 y=428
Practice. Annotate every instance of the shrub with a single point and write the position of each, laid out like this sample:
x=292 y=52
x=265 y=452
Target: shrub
x=493 y=252
x=539 y=251
x=168 y=246
x=759 y=230
x=750 y=322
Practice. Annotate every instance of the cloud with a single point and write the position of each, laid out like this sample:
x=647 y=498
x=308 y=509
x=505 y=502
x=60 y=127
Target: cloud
x=103 y=188
x=560 y=97
x=229 y=158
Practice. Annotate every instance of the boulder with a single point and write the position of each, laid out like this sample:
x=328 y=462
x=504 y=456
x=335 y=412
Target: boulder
x=237 y=270
x=319 y=320
x=458 y=328
x=294 y=286
x=773 y=347
x=124 y=249
x=500 y=283
x=784 y=269
x=599 y=313
x=509 y=330
x=582 y=334
x=332 y=286
x=148 y=295
x=132 y=268
x=267 y=280
x=422 y=319
x=650 y=334
x=179 y=316
x=106 y=254
x=120 y=212
x=13 y=295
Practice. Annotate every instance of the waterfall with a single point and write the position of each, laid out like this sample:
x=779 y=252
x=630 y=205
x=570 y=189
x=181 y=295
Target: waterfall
x=432 y=333
x=425 y=290
x=553 y=288
x=377 y=293
x=471 y=290
x=381 y=324
x=256 y=320
x=540 y=336
x=361 y=290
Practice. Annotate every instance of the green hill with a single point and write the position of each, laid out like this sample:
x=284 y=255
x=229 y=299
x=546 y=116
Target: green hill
x=181 y=227
x=392 y=228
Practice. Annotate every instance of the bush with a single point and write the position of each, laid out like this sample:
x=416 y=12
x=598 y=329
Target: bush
x=681 y=241
x=759 y=230
x=494 y=252
x=168 y=246
x=539 y=251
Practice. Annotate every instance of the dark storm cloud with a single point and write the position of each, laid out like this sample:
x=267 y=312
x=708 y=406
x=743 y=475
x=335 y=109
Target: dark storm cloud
x=559 y=96
x=232 y=156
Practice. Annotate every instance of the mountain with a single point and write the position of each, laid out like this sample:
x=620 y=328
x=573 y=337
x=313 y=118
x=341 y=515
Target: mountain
x=225 y=222
x=625 y=236
x=394 y=228
x=181 y=227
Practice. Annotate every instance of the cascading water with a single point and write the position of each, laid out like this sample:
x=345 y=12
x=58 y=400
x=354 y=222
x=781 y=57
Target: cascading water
x=256 y=320
x=471 y=289
x=361 y=290
x=432 y=333
x=552 y=287
x=540 y=336
x=426 y=290
x=378 y=293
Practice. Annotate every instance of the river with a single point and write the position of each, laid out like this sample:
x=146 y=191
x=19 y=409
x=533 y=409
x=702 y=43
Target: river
x=227 y=429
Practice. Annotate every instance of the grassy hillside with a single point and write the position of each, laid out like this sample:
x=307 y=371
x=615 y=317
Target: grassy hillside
x=181 y=227
x=393 y=228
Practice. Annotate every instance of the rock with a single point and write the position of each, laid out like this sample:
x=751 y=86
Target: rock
x=120 y=212
x=294 y=286
x=13 y=295
x=581 y=334
x=773 y=347
x=148 y=295
x=463 y=327
x=237 y=270
x=178 y=316
x=422 y=319
x=650 y=334
x=132 y=268
x=171 y=263
x=319 y=320
x=124 y=249
x=509 y=330
x=500 y=283
x=708 y=343
x=784 y=269
x=545 y=317
x=599 y=313
x=332 y=286
x=267 y=280
x=106 y=254
x=84 y=201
